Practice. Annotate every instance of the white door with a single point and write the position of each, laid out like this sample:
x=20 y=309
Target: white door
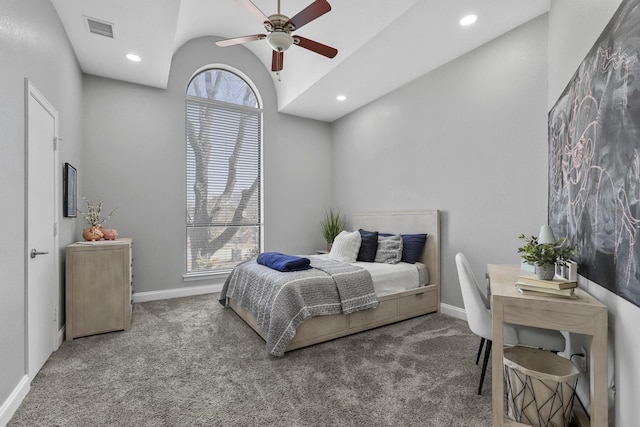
x=41 y=257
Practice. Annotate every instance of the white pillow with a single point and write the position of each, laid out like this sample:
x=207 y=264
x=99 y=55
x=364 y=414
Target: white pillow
x=346 y=246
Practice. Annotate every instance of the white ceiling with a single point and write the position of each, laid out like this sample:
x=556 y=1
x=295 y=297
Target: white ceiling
x=382 y=44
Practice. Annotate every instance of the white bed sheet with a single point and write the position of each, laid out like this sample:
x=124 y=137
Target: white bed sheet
x=393 y=278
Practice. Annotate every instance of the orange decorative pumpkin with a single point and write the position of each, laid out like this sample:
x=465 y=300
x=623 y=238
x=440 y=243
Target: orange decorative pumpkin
x=110 y=234
x=92 y=233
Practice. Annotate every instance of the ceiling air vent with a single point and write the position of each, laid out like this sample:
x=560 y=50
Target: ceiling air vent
x=101 y=28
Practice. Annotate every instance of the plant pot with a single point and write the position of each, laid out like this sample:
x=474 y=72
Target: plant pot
x=92 y=233
x=545 y=271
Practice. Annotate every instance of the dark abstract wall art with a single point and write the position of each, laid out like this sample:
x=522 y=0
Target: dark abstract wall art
x=594 y=158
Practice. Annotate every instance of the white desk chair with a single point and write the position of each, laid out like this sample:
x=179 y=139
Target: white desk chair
x=480 y=322
x=485 y=300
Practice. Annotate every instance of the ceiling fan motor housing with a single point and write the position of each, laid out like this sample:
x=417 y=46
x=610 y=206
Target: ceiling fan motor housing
x=279 y=22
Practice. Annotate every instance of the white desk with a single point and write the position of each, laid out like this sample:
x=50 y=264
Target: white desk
x=583 y=315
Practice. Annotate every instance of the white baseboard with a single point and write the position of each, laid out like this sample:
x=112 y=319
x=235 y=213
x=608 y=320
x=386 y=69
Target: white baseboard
x=453 y=311
x=14 y=400
x=175 y=293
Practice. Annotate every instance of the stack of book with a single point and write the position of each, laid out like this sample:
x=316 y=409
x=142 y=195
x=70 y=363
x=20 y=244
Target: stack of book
x=529 y=284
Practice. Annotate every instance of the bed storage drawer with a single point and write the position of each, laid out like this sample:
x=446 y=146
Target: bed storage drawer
x=387 y=309
x=322 y=325
x=319 y=329
x=424 y=299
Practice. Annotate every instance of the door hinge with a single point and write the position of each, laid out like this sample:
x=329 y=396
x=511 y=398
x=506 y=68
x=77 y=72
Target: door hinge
x=55 y=229
x=55 y=314
x=56 y=139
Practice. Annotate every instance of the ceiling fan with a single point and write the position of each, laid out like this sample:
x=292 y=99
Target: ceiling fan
x=279 y=28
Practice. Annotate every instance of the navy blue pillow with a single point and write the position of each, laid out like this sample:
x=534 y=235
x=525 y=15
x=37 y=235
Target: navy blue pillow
x=412 y=246
x=368 y=246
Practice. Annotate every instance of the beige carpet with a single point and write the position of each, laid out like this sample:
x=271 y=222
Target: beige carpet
x=190 y=362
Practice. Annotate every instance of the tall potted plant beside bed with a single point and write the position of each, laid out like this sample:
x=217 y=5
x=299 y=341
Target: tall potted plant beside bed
x=331 y=226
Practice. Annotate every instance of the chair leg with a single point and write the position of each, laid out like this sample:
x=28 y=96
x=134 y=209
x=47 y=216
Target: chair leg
x=487 y=352
x=480 y=350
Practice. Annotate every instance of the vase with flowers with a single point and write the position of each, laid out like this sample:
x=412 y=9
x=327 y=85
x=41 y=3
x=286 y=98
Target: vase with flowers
x=94 y=217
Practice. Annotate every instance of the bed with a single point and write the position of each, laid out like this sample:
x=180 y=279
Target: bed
x=392 y=305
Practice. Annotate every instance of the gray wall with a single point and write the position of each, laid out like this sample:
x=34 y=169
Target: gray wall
x=33 y=44
x=134 y=154
x=469 y=139
x=574 y=26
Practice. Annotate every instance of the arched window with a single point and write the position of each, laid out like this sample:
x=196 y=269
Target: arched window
x=223 y=143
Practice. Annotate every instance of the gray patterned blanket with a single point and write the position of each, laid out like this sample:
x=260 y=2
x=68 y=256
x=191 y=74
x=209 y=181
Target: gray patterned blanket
x=281 y=301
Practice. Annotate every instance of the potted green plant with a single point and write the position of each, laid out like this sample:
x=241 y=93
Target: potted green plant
x=545 y=256
x=331 y=226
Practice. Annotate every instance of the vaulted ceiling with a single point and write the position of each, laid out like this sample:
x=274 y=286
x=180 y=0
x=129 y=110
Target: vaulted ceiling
x=382 y=44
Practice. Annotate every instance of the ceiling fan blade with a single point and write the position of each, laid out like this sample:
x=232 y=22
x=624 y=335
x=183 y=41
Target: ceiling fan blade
x=277 y=61
x=316 y=47
x=309 y=13
x=240 y=40
x=253 y=9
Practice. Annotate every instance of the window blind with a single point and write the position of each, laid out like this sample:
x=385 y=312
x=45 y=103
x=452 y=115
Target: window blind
x=223 y=161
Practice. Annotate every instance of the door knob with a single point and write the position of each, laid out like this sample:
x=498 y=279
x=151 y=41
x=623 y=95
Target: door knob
x=35 y=253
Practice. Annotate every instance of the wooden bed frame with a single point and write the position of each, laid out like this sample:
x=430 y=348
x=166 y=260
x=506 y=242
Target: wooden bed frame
x=393 y=307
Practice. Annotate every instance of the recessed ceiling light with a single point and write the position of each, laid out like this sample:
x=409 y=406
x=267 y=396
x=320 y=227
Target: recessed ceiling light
x=468 y=20
x=341 y=97
x=133 y=57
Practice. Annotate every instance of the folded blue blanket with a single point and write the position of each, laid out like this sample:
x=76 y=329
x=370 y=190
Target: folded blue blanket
x=282 y=262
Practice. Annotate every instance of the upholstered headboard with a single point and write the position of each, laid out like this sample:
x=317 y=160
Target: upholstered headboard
x=410 y=222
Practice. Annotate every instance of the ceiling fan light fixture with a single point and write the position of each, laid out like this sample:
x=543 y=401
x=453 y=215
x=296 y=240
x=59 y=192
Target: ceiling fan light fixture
x=279 y=40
